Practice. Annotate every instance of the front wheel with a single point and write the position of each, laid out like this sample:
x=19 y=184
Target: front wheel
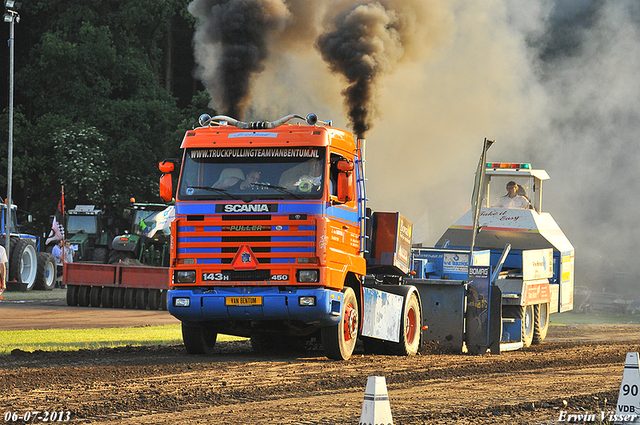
x=410 y=331
x=198 y=339
x=339 y=340
x=46 y=276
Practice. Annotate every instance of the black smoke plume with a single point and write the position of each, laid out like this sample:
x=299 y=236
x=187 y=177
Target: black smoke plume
x=364 y=44
x=232 y=45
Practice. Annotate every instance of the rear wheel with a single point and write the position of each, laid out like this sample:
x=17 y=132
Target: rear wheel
x=95 y=296
x=23 y=265
x=410 y=331
x=339 y=340
x=119 y=256
x=527 y=326
x=72 y=295
x=540 y=323
x=46 y=275
x=130 y=298
x=142 y=298
x=107 y=297
x=155 y=299
x=101 y=255
x=118 y=297
x=198 y=339
x=84 y=296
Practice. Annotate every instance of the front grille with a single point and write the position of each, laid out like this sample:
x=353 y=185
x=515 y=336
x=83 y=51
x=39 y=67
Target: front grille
x=246 y=217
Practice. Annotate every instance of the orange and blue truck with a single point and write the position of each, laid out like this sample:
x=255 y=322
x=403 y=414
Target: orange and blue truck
x=273 y=240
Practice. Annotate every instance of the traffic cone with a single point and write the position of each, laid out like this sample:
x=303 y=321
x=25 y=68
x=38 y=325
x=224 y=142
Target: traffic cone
x=376 y=409
x=628 y=407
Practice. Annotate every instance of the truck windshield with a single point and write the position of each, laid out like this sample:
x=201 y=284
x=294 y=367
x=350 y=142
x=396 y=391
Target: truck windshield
x=253 y=173
x=149 y=223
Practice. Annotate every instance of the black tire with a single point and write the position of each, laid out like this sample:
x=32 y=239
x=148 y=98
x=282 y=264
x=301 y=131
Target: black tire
x=47 y=272
x=84 y=296
x=118 y=297
x=130 y=298
x=163 y=303
x=198 y=339
x=540 y=323
x=72 y=295
x=527 y=325
x=95 y=296
x=142 y=298
x=23 y=265
x=409 y=330
x=339 y=340
x=107 y=297
x=155 y=299
x=263 y=342
x=101 y=255
x=373 y=345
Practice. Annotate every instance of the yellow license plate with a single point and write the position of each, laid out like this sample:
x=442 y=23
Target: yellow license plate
x=240 y=301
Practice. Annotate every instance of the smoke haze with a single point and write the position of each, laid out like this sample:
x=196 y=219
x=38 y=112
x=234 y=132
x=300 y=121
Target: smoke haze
x=553 y=82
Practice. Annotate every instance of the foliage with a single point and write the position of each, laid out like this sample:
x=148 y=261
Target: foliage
x=95 y=104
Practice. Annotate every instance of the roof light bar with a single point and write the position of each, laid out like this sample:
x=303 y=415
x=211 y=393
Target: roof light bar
x=512 y=166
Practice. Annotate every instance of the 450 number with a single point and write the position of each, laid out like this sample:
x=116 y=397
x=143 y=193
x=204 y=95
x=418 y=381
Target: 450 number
x=280 y=277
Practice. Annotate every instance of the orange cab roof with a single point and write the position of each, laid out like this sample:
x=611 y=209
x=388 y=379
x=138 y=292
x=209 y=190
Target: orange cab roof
x=284 y=135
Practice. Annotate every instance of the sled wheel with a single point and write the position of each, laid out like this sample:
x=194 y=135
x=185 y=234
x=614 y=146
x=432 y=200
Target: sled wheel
x=541 y=322
x=72 y=295
x=95 y=296
x=84 y=294
x=107 y=297
x=527 y=326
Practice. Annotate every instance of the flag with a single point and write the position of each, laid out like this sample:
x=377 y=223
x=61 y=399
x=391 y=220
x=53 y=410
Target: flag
x=57 y=227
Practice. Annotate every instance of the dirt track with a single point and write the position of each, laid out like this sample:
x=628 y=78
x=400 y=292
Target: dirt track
x=577 y=365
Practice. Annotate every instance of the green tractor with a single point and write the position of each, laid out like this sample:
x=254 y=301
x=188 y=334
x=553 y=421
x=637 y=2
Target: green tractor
x=89 y=232
x=147 y=240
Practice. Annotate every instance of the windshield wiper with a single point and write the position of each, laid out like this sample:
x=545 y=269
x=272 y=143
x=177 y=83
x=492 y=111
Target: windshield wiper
x=278 y=188
x=215 y=189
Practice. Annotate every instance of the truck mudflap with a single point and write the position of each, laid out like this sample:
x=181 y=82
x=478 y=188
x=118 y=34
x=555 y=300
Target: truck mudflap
x=320 y=307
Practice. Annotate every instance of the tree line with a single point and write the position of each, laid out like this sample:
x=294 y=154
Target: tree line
x=104 y=90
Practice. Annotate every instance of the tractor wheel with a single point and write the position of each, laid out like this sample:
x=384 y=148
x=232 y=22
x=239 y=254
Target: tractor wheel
x=95 y=296
x=339 y=340
x=142 y=298
x=23 y=265
x=527 y=325
x=130 y=298
x=101 y=255
x=72 y=295
x=540 y=322
x=198 y=339
x=107 y=297
x=410 y=330
x=155 y=299
x=118 y=297
x=46 y=276
x=84 y=296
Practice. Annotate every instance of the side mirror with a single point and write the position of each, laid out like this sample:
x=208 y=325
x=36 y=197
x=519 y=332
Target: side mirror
x=345 y=165
x=166 y=166
x=166 y=187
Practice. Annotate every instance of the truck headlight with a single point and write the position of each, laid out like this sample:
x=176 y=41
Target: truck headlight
x=185 y=276
x=181 y=302
x=308 y=276
x=307 y=301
